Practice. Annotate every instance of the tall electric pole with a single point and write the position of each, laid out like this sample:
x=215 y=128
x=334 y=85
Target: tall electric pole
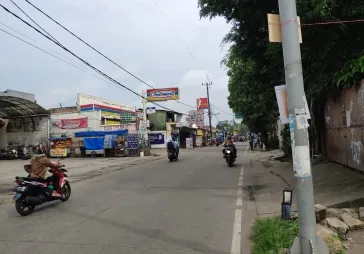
x=307 y=242
x=208 y=84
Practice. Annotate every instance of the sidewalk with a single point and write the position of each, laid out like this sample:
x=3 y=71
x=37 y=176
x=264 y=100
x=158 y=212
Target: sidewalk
x=264 y=181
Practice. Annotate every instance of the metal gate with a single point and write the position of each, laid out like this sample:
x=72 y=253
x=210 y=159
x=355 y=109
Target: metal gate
x=344 y=117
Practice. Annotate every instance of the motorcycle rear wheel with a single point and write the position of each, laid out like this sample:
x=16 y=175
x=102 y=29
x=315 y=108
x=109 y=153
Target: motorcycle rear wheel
x=21 y=206
x=66 y=191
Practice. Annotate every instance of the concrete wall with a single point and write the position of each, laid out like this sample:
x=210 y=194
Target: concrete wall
x=28 y=137
x=94 y=122
x=158 y=121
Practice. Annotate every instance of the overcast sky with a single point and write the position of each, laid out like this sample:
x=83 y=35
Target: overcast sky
x=133 y=33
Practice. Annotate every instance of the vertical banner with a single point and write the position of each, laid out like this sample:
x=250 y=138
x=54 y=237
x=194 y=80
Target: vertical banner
x=282 y=100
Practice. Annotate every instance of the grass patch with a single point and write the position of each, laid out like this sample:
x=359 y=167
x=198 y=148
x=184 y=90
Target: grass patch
x=273 y=234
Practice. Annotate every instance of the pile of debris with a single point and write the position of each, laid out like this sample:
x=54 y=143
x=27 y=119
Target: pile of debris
x=333 y=225
x=319 y=159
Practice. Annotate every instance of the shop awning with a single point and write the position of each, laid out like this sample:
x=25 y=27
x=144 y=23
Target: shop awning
x=83 y=134
x=15 y=107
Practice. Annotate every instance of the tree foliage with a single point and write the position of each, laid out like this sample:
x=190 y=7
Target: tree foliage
x=331 y=53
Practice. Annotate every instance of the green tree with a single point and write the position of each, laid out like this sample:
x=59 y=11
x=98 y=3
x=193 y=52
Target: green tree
x=331 y=55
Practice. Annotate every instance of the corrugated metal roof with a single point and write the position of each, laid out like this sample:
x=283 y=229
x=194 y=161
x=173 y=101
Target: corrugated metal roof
x=13 y=107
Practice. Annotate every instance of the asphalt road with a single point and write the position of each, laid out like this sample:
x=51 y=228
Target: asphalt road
x=188 y=206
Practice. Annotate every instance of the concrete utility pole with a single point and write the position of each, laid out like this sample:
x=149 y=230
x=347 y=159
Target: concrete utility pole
x=307 y=242
x=209 y=107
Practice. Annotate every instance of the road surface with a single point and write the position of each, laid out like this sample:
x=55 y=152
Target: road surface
x=189 y=206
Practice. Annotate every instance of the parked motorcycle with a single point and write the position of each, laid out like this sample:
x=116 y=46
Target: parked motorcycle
x=11 y=154
x=23 y=153
x=30 y=193
x=3 y=154
x=230 y=158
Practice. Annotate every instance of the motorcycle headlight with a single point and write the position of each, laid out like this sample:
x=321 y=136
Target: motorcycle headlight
x=228 y=151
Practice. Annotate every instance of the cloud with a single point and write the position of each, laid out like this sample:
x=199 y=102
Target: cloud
x=134 y=34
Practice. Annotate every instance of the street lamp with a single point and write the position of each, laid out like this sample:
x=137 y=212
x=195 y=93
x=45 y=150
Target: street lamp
x=287 y=204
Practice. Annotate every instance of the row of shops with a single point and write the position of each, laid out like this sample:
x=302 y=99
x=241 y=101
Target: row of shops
x=95 y=127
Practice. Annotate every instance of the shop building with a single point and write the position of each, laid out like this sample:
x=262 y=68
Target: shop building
x=90 y=114
x=164 y=124
x=24 y=122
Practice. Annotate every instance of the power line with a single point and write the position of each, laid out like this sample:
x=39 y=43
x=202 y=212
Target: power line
x=54 y=56
x=221 y=110
x=82 y=60
x=67 y=102
x=33 y=20
x=176 y=32
x=180 y=37
x=80 y=39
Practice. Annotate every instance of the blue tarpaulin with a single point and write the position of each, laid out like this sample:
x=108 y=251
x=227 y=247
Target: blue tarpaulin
x=83 y=134
x=94 y=143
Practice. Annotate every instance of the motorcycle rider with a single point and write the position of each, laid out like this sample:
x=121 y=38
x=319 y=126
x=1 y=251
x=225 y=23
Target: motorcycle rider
x=173 y=145
x=39 y=165
x=229 y=142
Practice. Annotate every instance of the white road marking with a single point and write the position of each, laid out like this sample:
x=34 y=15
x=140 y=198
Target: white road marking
x=246 y=150
x=199 y=158
x=236 y=241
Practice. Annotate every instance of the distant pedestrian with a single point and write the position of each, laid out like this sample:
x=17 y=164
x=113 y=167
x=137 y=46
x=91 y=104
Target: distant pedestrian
x=251 y=141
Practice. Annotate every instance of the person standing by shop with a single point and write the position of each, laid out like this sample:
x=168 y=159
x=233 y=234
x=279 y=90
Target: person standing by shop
x=251 y=141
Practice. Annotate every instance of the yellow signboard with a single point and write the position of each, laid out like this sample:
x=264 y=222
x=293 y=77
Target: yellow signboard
x=163 y=94
x=59 y=152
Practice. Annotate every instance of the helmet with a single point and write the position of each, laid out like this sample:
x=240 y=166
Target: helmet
x=173 y=138
x=228 y=137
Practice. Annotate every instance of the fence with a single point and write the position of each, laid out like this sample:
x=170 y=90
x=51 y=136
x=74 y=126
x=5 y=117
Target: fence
x=344 y=117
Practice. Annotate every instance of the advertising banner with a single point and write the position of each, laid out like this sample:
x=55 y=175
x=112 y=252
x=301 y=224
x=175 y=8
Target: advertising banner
x=125 y=117
x=59 y=148
x=69 y=124
x=130 y=127
x=198 y=141
x=151 y=110
x=157 y=139
x=189 y=143
x=202 y=103
x=196 y=117
x=163 y=94
x=282 y=100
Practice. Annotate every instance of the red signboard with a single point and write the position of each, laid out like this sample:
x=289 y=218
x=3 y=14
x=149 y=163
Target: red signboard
x=79 y=123
x=202 y=103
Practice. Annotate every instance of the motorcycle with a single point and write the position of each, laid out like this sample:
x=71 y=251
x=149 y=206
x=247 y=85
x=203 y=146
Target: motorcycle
x=230 y=158
x=23 y=153
x=12 y=154
x=172 y=151
x=172 y=155
x=30 y=193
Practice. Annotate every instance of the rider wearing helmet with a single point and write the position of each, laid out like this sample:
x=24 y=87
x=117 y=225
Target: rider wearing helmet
x=229 y=142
